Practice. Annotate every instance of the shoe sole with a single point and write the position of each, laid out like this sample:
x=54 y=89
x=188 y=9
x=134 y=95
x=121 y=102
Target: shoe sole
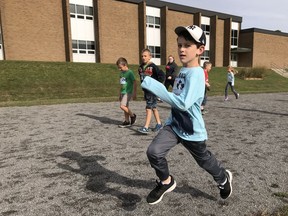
x=124 y=126
x=142 y=132
x=167 y=191
x=156 y=130
x=230 y=182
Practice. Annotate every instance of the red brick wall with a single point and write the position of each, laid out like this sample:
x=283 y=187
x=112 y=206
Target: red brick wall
x=33 y=30
x=118 y=31
x=175 y=19
x=269 y=49
x=219 y=43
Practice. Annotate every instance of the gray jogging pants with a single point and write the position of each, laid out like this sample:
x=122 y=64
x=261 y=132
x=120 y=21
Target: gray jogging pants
x=166 y=139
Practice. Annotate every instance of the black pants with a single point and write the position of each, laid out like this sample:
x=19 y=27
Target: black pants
x=168 y=83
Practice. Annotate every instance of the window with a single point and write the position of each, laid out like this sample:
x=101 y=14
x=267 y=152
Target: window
x=81 y=44
x=206 y=29
x=83 y=47
x=90 y=45
x=233 y=57
x=72 y=8
x=155 y=51
x=89 y=12
x=205 y=55
x=81 y=12
x=153 y=22
x=74 y=44
x=234 y=37
x=80 y=9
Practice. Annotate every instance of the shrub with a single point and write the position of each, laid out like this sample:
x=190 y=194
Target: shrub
x=257 y=72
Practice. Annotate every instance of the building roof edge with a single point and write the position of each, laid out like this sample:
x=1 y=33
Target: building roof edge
x=186 y=9
x=264 y=31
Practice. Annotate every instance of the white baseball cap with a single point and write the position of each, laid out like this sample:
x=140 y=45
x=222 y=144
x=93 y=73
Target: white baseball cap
x=195 y=31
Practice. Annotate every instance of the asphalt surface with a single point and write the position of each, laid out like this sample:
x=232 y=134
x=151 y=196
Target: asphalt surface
x=73 y=159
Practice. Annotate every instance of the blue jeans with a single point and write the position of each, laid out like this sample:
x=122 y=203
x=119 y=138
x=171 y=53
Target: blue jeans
x=204 y=98
x=166 y=139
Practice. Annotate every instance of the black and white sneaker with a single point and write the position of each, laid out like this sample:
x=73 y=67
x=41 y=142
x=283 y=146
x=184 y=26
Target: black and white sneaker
x=156 y=195
x=133 y=119
x=125 y=124
x=226 y=187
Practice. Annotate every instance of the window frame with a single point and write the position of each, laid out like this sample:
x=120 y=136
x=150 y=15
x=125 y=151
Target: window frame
x=234 y=39
x=82 y=14
x=205 y=56
x=83 y=47
x=152 y=23
x=206 y=28
x=155 y=51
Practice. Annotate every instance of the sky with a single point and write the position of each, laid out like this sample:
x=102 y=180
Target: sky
x=263 y=14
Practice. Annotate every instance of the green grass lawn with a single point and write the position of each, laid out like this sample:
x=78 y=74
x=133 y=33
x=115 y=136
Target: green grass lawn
x=25 y=83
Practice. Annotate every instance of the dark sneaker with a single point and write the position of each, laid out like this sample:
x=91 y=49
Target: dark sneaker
x=237 y=96
x=133 y=119
x=143 y=130
x=125 y=124
x=156 y=195
x=157 y=127
x=226 y=189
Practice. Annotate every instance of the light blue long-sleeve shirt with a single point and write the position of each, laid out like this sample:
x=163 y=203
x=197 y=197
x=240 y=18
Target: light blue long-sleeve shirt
x=185 y=100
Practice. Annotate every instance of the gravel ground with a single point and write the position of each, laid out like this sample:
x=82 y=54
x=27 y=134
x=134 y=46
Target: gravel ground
x=73 y=159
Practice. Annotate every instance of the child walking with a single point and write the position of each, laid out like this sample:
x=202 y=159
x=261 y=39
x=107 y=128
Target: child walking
x=207 y=66
x=185 y=124
x=149 y=69
x=230 y=82
x=128 y=90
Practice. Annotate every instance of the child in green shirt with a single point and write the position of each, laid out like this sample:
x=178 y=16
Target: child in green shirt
x=128 y=89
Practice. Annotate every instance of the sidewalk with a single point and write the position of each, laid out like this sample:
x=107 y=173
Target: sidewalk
x=73 y=159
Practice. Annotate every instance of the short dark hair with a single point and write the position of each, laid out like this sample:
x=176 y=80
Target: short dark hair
x=122 y=61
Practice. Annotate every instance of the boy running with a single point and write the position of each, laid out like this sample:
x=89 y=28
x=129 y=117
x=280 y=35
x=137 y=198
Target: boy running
x=185 y=124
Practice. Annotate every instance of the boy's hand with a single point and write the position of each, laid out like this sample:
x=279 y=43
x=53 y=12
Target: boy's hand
x=207 y=86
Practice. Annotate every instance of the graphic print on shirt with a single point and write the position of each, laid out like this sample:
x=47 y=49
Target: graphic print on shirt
x=148 y=71
x=123 y=81
x=181 y=119
x=179 y=84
